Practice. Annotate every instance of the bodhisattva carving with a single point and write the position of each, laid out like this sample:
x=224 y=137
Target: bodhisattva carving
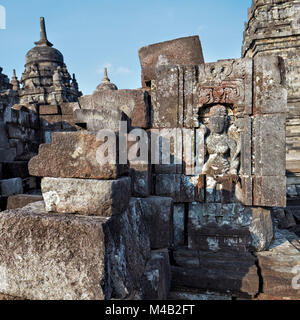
x=222 y=145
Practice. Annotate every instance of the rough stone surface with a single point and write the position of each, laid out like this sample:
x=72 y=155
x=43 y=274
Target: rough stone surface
x=22 y=200
x=11 y=187
x=279 y=267
x=67 y=257
x=133 y=104
x=158 y=214
x=179 y=187
x=185 y=51
x=179 y=222
x=222 y=272
x=156 y=281
x=273 y=29
x=216 y=227
x=56 y=257
x=128 y=250
x=73 y=155
x=141 y=179
x=86 y=196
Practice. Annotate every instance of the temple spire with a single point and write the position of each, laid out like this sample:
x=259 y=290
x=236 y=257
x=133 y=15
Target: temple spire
x=105 y=79
x=43 y=35
x=15 y=82
x=106 y=84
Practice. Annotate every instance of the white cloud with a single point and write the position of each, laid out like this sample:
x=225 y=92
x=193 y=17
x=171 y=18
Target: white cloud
x=123 y=70
x=112 y=69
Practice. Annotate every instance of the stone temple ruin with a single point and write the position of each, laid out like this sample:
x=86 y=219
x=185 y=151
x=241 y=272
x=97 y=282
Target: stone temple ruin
x=209 y=222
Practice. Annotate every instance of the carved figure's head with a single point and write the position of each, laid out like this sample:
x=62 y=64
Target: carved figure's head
x=218 y=119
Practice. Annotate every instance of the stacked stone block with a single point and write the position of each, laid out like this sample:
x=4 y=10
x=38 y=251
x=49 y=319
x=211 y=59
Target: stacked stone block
x=224 y=215
x=273 y=29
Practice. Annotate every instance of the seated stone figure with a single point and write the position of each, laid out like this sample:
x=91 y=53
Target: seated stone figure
x=222 y=150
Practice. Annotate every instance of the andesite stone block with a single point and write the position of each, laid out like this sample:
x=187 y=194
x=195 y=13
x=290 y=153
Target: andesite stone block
x=279 y=269
x=185 y=51
x=86 y=196
x=158 y=215
x=156 y=281
x=133 y=103
x=179 y=222
x=216 y=227
x=9 y=187
x=270 y=93
x=22 y=200
x=229 y=273
x=67 y=257
x=269 y=191
x=179 y=187
x=73 y=155
x=269 y=145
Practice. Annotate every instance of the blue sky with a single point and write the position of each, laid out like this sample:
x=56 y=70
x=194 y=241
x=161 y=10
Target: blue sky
x=93 y=34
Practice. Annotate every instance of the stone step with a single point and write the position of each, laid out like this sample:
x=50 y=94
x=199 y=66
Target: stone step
x=227 y=273
x=22 y=200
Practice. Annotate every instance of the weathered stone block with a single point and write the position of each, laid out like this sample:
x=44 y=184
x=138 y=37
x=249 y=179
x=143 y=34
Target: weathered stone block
x=269 y=191
x=222 y=273
x=167 y=110
x=95 y=120
x=128 y=250
x=179 y=222
x=141 y=179
x=179 y=187
x=270 y=94
x=185 y=51
x=68 y=108
x=60 y=257
x=158 y=214
x=217 y=227
x=279 y=269
x=53 y=122
x=30 y=183
x=269 y=145
x=86 y=197
x=73 y=155
x=67 y=257
x=244 y=190
x=11 y=187
x=156 y=281
x=133 y=103
x=22 y=200
x=48 y=110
